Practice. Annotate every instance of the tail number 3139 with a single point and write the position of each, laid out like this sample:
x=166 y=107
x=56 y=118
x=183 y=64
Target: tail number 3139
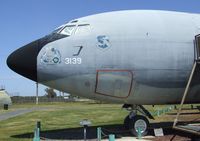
x=73 y=61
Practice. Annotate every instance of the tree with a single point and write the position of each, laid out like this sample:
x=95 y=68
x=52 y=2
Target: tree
x=50 y=93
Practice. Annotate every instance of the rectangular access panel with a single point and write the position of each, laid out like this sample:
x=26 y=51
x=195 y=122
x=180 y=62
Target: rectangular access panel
x=114 y=83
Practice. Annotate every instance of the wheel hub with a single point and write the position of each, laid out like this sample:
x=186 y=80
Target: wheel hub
x=140 y=124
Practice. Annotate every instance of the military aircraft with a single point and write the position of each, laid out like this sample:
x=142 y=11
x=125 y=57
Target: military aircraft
x=5 y=99
x=132 y=57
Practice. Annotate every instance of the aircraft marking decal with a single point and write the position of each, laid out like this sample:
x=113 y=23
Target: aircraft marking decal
x=51 y=56
x=80 y=48
x=103 y=41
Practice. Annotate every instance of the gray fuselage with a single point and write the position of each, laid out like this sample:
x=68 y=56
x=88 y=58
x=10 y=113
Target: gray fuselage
x=134 y=57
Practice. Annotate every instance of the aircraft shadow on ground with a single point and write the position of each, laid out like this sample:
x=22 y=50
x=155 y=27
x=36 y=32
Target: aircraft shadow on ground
x=118 y=130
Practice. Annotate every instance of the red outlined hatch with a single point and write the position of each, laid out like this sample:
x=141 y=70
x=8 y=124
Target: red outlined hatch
x=114 y=83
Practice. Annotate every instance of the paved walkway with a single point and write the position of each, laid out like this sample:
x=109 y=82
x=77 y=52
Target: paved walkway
x=17 y=112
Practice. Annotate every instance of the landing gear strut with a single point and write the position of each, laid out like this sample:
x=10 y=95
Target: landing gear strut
x=134 y=122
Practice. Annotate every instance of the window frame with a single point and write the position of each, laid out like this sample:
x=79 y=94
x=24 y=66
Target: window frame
x=72 y=33
x=82 y=25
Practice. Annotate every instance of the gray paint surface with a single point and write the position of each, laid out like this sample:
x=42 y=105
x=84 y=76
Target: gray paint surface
x=157 y=47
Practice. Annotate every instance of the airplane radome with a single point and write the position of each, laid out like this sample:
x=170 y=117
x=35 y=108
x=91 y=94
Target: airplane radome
x=133 y=57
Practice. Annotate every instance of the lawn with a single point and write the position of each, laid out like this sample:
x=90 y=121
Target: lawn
x=59 y=116
x=62 y=116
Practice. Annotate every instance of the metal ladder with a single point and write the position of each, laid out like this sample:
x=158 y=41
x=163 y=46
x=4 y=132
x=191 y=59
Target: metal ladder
x=197 y=61
x=175 y=126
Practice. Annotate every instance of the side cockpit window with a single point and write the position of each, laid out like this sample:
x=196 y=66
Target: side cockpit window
x=83 y=30
x=57 y=30
x=77 y=30
x=68 y=30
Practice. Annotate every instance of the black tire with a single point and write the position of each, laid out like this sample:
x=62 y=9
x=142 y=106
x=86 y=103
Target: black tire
x=126 y=122
x=135 y=120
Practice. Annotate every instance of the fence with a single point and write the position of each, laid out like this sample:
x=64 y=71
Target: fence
x=32 y=99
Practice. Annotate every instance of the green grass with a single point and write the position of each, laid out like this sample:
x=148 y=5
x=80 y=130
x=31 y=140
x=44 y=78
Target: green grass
x=60 y=116
x=56 y=116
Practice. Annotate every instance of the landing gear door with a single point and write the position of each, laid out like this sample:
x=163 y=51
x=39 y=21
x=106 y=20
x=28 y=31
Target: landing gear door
x=197 y=45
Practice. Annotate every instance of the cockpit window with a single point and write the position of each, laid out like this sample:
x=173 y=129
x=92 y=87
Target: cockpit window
x=68 y=30
x=83 y=30
x=57 y=30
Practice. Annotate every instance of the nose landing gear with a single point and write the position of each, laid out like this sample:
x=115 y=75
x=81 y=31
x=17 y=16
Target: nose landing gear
x=137 y=123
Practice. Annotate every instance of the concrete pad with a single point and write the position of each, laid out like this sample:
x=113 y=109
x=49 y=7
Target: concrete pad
x=147 y=138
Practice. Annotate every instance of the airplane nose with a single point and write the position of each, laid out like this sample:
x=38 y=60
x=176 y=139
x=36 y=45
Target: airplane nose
x=24 y=60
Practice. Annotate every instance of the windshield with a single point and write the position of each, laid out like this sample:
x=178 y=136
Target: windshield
x=68 y=30
x=57 y=30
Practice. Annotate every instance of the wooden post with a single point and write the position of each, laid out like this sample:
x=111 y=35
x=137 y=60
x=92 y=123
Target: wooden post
x=99 y=134
x=36 y=93
x=111 y=137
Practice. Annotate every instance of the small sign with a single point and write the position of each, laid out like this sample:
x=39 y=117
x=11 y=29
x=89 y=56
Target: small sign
x=158 y=132
x=85 y=122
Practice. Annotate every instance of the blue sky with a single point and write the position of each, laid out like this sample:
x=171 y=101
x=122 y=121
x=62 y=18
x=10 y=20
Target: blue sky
x=22 y=21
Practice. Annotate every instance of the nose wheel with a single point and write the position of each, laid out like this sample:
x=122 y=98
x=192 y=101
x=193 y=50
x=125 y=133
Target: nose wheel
x=136 y=123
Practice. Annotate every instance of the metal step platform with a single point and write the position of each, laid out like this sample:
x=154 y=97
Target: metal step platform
x=193 y=128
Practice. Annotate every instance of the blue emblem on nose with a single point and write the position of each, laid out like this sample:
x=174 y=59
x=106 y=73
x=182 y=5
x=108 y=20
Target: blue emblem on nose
x=51 y=56
x=103 y=41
